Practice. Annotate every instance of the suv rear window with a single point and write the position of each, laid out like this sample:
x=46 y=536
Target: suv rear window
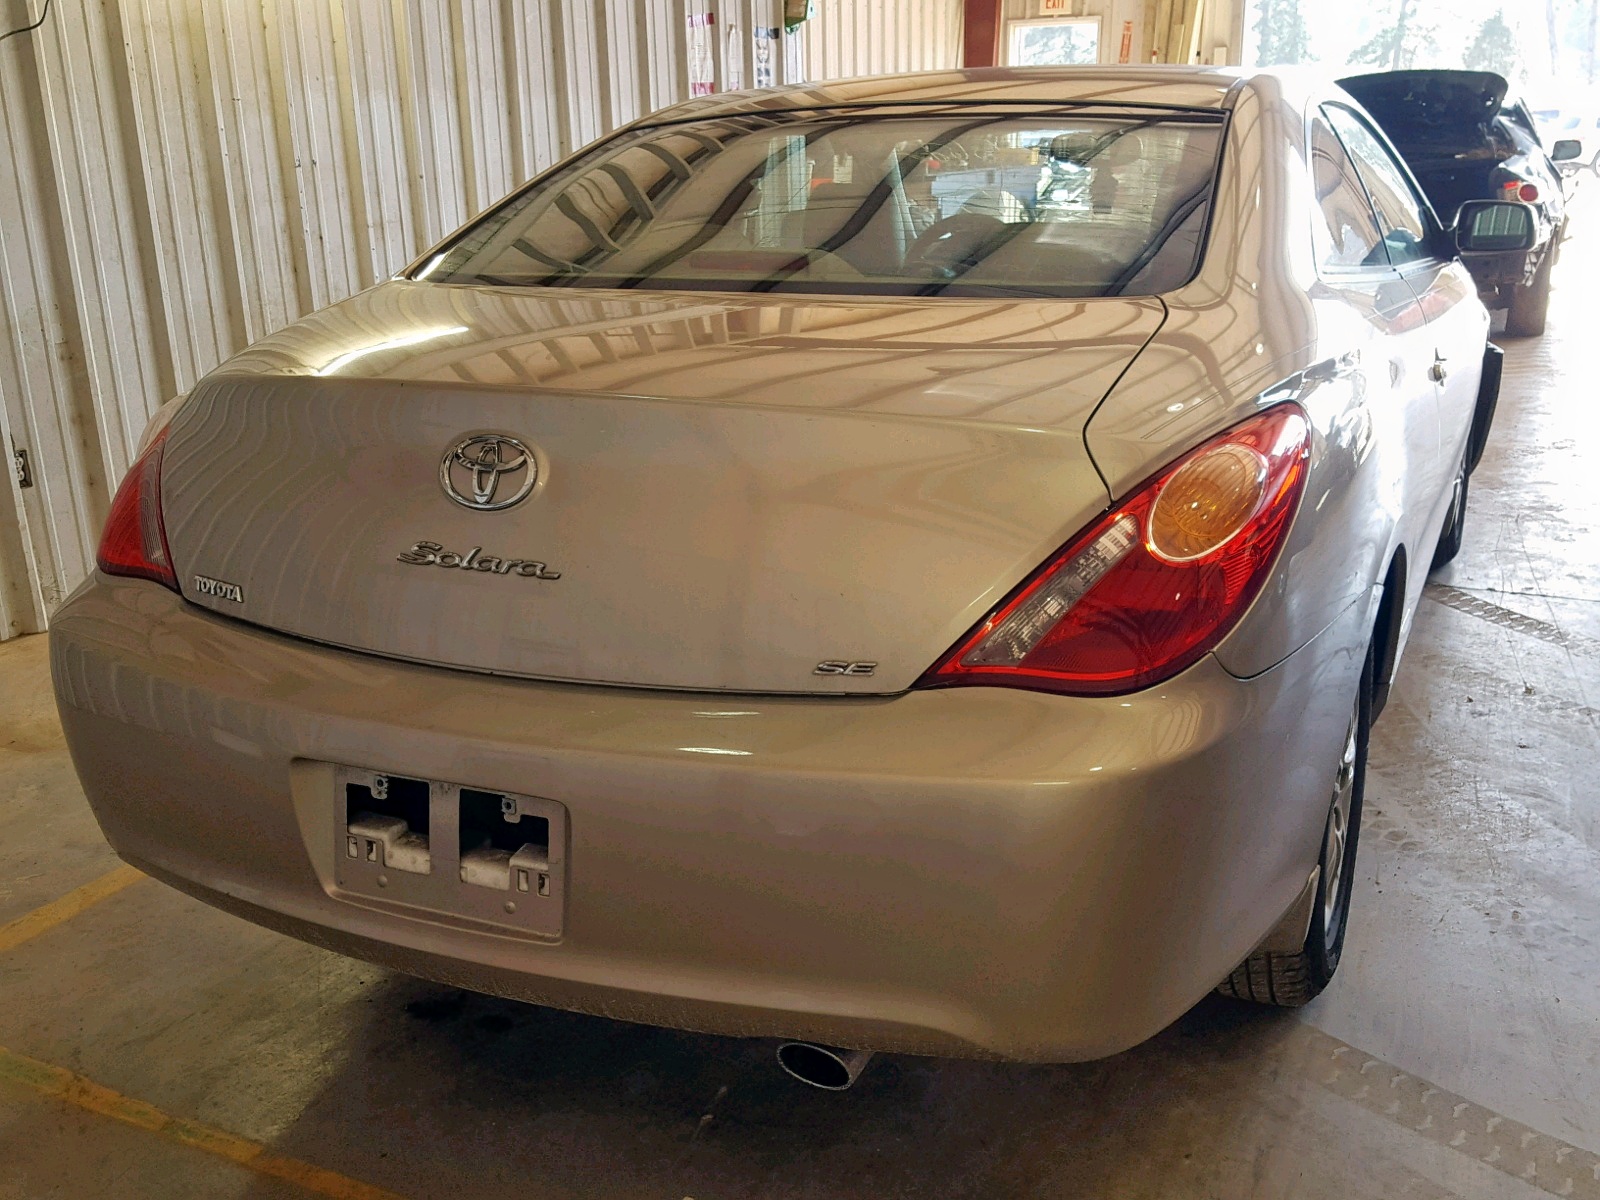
x=975 y=203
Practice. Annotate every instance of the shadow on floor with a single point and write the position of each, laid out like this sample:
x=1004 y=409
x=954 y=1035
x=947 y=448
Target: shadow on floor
x=449 y=1094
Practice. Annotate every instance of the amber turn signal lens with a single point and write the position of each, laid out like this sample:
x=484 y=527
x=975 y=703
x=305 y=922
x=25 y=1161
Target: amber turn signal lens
x=1207 y=502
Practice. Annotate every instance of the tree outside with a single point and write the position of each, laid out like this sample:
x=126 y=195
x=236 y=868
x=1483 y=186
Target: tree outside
x=1281 y=35
x=1551 y=43
x=1399 y=41
x=1494 y=48
x=1549 y=50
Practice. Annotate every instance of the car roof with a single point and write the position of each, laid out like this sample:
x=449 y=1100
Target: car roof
x=1169 y=86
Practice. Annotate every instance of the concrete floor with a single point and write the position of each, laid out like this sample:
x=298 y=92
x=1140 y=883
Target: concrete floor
x=1457 y=1054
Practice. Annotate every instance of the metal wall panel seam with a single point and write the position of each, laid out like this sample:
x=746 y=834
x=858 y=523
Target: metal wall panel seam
x=533 y=73
x=362 y=254
x=46 y=532
x=719 y=66
x=756 y=13
x=321 y=178
x=869 y=47
x=617 y=51
x=737 y=59
x=482 y=85
x=251 y=173
x=511 y=108
x=761 y=14
x=139 y=219
x=201 y=117
x=844 y=44
x=795 y=55
x=429 y=72
x=21 y=605
x=470 y=178
x=489 y=86
x=881 y=52
x=89 y=160
x=589 y=103
x=818 y=35
x=280 y=106
x=664 y=51
x=191 y=296
x=380 y=145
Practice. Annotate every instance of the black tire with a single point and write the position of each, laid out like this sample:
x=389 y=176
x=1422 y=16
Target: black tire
x=1291 y=980
x=1455 y=525
x=1530 y=303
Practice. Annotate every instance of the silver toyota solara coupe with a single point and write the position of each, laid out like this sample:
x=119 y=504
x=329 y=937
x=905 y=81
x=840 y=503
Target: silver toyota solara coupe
x=798 y=568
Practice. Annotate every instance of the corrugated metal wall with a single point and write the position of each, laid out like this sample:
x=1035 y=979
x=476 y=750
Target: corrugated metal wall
x=179 y=177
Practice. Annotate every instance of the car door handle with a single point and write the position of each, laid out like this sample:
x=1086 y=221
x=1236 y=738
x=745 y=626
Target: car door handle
x=1437 y=372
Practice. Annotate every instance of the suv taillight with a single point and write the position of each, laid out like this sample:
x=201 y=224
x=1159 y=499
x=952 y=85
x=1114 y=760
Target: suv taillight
x=135 y=542
x=1157 y=582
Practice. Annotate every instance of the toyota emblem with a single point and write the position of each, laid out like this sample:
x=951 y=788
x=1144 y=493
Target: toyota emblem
x=488 y=472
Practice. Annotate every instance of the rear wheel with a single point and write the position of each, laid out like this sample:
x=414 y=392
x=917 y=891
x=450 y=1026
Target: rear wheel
x=1530 y=302
x=1455 y=525
x=1290 y=980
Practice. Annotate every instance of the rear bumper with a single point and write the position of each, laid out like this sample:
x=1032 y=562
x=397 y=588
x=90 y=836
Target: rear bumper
x=1491 y=272
x=969 y=871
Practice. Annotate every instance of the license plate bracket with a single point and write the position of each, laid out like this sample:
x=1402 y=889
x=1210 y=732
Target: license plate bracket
x=449 y=852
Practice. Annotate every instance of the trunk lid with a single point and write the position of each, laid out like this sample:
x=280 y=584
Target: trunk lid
x=1418 y=108
x=728 y=492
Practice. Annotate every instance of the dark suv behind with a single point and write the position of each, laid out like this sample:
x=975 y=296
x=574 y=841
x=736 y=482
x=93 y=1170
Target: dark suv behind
x=1464 y=141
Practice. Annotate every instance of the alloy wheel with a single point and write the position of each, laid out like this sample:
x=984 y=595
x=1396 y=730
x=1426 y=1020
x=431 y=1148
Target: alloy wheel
x=1337 y=838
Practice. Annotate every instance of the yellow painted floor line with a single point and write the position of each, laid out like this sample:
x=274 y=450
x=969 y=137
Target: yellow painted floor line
x=62 y=1084
x=41 y=920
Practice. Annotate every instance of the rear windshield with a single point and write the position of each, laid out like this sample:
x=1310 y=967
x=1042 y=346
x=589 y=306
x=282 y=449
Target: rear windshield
x=971 y=204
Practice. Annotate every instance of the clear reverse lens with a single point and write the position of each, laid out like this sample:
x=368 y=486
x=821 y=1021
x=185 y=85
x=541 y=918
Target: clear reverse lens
x=1015 y=637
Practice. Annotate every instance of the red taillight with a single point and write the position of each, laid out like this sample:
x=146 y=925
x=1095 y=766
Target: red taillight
x=1156 y=583
x=134 y=542
x=1517 y=189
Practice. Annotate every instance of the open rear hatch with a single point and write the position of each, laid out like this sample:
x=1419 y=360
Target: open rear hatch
x=1445 y=124
x=1430 y=107
x=720 y=494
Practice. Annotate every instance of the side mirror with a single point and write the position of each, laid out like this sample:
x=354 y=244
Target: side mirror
x=1566 y=150
x=1495 y=227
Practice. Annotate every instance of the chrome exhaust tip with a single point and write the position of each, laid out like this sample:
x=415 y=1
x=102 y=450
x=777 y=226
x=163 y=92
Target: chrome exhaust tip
x=823 y=1066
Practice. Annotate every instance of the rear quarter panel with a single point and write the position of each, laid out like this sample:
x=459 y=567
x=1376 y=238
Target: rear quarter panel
x=1258 y=327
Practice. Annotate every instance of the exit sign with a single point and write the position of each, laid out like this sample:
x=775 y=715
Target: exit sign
x=1057 y=8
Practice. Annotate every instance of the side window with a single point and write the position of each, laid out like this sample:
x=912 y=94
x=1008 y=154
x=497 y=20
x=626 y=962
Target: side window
x=1344 y=230
x=1400 y=217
